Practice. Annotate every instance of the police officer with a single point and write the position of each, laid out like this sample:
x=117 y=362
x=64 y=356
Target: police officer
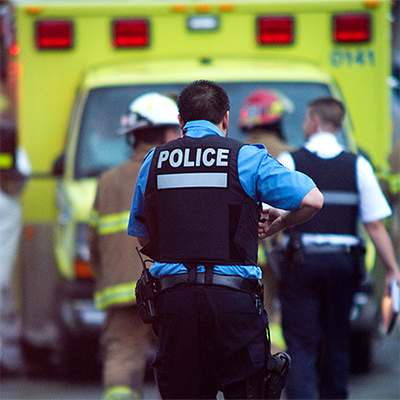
x=316 y=298
x=195 y=209
x=151 y=119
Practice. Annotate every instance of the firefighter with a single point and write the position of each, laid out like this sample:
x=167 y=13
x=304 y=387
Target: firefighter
x=151 y=120
x=195 y=209
x=261 y=120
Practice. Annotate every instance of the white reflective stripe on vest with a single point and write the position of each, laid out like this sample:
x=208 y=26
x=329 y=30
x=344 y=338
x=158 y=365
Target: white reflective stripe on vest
x=325 y=238
x=333 y=239
x=336 y=197
x=201 y=179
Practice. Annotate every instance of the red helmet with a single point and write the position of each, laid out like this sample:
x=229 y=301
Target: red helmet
x=262 y=107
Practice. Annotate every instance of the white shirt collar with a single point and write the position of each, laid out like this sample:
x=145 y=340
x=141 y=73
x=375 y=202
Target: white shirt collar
x=324 y=145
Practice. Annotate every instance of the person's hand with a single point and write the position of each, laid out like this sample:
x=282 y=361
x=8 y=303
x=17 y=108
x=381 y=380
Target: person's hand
x=388 y=280
x=269 y=222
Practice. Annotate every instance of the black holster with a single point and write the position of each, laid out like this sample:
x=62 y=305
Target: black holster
x=277 y=368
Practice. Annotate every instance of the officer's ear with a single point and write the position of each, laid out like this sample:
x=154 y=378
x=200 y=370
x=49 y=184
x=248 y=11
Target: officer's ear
x=316 y=123
x=181 y=122
x=225 y=123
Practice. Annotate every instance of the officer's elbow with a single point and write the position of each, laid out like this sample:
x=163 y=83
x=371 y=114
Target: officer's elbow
x=314 y=200
x=319 y=200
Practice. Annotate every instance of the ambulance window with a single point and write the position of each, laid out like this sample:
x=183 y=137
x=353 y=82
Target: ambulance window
x=295 y=97
x=100 y=148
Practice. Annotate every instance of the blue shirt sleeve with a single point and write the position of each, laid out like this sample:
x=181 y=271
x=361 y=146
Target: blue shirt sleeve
x=266 y=180
x=137 y=218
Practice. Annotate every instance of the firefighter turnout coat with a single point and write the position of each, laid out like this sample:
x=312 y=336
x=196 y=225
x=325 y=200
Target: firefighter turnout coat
x=116 y=264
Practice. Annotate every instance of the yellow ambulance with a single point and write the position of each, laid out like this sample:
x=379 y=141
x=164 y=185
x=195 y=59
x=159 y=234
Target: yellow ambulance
x=79 y=64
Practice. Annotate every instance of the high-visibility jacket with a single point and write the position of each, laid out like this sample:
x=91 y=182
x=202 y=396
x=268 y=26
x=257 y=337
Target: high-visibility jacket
x=116 y=264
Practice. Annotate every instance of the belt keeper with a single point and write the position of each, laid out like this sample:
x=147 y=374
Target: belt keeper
x=208 y=278
x=192 y=273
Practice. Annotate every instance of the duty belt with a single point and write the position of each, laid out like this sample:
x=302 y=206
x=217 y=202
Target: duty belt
x=231 y=281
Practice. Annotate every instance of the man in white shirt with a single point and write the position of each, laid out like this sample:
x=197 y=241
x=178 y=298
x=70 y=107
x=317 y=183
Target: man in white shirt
x=317 y=296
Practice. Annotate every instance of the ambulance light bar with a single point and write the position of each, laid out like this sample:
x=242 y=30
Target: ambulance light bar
x=271 y=30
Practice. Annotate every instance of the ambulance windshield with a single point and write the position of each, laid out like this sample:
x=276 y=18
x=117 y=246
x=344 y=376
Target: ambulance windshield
x=100 y=148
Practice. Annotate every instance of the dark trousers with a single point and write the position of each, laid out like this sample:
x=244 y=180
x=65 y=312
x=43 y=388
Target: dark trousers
x=316 y=299
x=210 y=339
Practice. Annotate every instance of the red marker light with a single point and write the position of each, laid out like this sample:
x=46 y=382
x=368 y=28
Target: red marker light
x=54 y=34
x=131 y=33
x=275 y=30
x=351 y=28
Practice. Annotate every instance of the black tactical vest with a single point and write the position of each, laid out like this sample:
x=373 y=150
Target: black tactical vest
x=336 y=178
x=196 y=208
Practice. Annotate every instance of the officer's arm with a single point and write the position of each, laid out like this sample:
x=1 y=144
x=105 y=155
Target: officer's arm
x=279 y=219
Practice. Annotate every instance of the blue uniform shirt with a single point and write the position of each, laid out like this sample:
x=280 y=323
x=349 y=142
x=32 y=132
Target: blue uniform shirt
x=262 y=177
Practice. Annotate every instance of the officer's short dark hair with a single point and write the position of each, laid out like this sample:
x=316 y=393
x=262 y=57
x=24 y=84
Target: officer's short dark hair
x=203 y=100
x=329 y=110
